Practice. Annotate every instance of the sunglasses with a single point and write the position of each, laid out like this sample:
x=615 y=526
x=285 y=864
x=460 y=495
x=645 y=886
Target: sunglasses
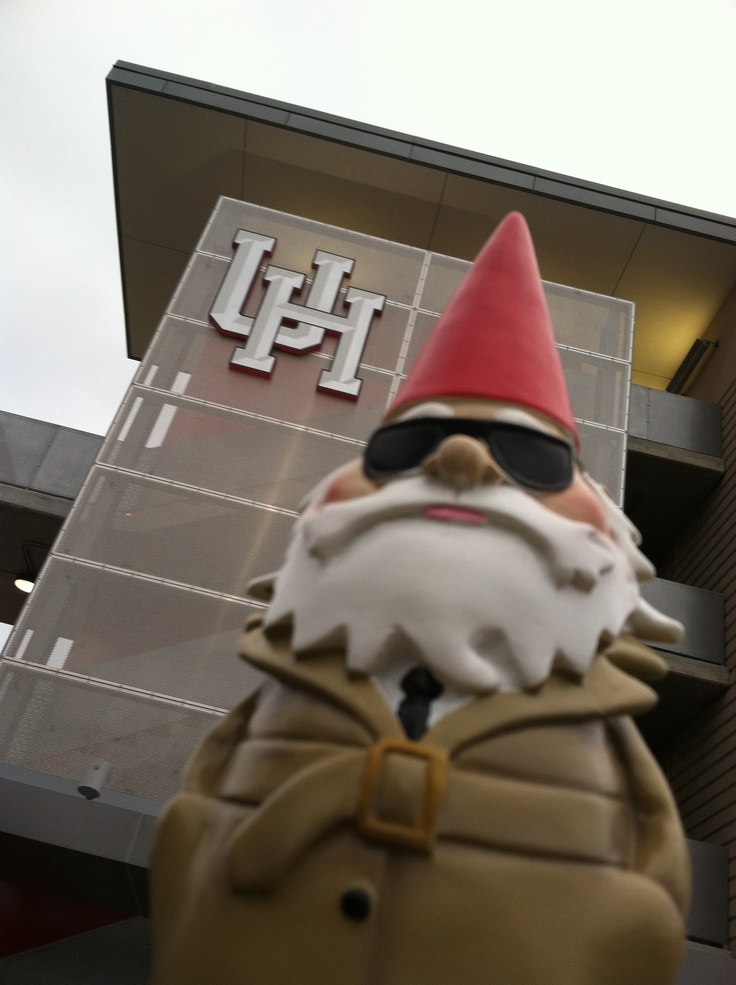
x=528 y=457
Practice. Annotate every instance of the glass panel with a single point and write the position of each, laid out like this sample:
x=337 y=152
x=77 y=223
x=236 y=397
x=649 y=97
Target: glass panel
x=56 y=725
x=599 y=387
x=590 y=321
x=423 y=325
x=443 y=277
x=603 y=453
x=222 y=451
x=581 y=320
x=137 y=633
x=199 y=286
x=182 y=349
x=386 y=337
x=175 y=533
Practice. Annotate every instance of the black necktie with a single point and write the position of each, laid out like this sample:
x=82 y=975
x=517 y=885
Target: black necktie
x=420 y=687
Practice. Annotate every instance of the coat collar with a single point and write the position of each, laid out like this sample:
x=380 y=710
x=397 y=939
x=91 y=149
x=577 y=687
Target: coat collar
x=606 y=690
x=322 y=673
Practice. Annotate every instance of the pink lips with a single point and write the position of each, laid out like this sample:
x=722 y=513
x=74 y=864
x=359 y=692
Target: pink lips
x=453 y=514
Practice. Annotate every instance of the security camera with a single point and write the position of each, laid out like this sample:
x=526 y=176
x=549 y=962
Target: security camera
x=94 y=779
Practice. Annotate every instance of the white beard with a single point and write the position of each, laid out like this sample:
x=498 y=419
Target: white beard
x=486 y=607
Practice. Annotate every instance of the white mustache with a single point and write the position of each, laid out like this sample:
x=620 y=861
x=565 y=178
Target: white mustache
x=329 y=529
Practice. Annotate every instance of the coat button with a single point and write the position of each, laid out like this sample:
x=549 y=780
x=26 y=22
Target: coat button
x=355 y=904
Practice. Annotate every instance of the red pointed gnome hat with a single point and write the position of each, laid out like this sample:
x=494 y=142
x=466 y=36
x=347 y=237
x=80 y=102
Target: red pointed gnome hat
x=494 y=340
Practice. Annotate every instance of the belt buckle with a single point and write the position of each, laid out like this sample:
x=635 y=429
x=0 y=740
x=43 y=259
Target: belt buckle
x=420 y=834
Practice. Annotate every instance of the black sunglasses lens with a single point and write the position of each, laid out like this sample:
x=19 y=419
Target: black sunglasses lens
x=400 y=447
x=534 y=459
x=531 y=458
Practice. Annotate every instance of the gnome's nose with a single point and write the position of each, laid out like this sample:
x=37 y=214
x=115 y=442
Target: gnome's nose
x=462 y=462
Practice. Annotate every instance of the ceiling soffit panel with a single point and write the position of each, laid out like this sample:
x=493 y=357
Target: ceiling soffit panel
x=173 y=161
x=349 y=163
x=174 y=158
x=597 y=245
x=349 y=204
x=345 y=186
x=151 y=275
x=679 y=282
x=470 y=211
x=473 y=208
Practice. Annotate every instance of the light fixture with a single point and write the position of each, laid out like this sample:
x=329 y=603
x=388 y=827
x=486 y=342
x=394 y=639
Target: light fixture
x=25 y=580
x=689 y=364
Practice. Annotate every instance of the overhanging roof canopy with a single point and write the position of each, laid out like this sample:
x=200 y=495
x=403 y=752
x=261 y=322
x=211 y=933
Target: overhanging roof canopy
x=178 y=144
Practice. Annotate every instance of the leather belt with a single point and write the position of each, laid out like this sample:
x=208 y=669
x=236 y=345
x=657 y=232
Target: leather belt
x=407 y=795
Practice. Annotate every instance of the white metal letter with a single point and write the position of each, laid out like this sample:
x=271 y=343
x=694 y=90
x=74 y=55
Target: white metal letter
x=225 y=311
x=306 y=323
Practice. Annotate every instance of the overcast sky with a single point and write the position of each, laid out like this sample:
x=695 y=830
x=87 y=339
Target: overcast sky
x=636 y=95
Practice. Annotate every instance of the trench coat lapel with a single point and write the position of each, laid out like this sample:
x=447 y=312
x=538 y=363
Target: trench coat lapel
x=605 y=690
x=323 y=674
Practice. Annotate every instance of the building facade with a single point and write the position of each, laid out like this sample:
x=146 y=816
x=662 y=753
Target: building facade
x=277 y=354
x=126 y=649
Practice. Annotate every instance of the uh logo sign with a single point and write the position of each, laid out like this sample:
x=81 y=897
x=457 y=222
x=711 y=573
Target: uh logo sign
x=282 y=323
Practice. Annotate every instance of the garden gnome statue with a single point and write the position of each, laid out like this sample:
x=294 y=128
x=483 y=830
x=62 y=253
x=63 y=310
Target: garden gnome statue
x=440 y=782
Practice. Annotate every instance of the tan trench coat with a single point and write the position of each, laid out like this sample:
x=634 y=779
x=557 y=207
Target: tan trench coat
x=529 y=838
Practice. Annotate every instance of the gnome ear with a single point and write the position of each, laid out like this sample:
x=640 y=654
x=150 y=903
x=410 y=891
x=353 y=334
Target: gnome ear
x=495 y=340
